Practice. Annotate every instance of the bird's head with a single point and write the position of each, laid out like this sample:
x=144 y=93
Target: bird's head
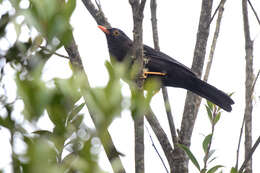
x=118 y=42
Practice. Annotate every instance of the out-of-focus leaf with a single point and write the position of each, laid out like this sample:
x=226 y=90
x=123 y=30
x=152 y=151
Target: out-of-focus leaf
x=206 y=142
x=44 y=133
x=75 y=111
x=190 y=155
x=233 y=170
x=3 y=23
x=34 y=95
x=214 y=169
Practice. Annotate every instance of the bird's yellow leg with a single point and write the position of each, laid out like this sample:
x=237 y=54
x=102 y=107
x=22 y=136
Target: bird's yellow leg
x=146 y=73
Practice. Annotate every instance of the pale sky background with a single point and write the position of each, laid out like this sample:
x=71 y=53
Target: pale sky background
x=177 y=26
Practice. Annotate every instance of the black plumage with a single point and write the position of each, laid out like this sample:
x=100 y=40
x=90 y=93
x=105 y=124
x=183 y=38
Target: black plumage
x=176 y=74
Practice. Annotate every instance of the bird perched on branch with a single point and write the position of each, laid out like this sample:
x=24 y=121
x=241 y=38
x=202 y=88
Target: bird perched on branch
x=168 y=70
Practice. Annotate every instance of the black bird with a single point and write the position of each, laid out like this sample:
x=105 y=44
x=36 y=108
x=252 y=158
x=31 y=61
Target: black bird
x=168 y=70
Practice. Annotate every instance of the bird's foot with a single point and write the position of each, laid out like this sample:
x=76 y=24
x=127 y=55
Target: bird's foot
x=146 y=73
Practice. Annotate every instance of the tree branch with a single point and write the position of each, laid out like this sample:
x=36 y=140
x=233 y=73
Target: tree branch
x=192 y=102
x=137 y=10
x=248 y=86
x=161 y=136
x=214 y=41
x=153 y=7
x=97 y=14
x=249 y=156
x=106 y=140
x=253 y=9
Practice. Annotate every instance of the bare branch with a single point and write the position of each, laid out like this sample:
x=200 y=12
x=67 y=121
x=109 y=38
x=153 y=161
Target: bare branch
x=153 y=7
x=137 y=10
x=214 y=14
x=253 y=9
x=161 y=136
x=192 y=102
x=250 y=154
x=214 y=41
x=249 y=84
x=156 y=150
x=97 y=14
x=55 y=53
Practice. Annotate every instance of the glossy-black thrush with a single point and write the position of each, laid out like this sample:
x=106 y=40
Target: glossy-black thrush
x=168 y=70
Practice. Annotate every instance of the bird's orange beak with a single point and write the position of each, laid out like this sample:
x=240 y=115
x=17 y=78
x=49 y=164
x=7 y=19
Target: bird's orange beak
x=104 y=29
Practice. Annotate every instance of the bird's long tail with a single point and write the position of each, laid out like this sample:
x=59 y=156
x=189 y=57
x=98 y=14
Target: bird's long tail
x=210 y=93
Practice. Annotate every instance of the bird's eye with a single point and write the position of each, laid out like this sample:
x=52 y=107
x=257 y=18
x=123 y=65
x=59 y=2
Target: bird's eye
x=115 y=32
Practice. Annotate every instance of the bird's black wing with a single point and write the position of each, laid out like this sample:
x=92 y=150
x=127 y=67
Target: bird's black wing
x=162 y=60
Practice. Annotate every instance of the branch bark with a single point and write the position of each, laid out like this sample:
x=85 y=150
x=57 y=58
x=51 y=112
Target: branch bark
x=106 y=140
x=137 y=10
x=215 y=38
x=193 y=101
x=153 y=6
x=248 y=86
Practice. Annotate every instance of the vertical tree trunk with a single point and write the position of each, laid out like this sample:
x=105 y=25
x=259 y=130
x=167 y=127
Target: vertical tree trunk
x=193 y=101
x=248 y=87
x=137 y=10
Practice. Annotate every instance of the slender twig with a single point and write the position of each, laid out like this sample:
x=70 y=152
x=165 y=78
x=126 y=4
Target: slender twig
x=253 y=9
x=153 y=7
x=250 y=154
x=210 y=142
x=214 y=41
x=157 y=152
x=55 y=53
x=239 y=142
x=214 y=14
x=253 y=87
x=161 y=136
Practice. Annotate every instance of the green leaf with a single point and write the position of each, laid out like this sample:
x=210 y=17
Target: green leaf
x=214 y=169
x=3 y=23
x=75 y=111
x=206 y=142
x=217 y=117
x=233 y=170
x=210 y=105
x=209 y=111
x=190 y=155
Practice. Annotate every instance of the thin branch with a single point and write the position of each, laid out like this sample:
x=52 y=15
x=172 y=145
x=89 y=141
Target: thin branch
x=161 y=136
x=253 y=9
x=55 y=53
x=215 y=12
x=239 y=142
x=157 y=152
x=253 y=87
x=250 y=154
x=106 y=140
x=214 y=41
x=153 y=7
x=97 y=14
